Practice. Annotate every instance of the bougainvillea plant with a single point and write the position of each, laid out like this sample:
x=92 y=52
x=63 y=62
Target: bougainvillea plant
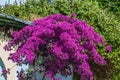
x=54 y=43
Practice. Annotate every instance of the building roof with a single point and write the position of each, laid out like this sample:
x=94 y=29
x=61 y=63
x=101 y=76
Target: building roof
x=7 y=20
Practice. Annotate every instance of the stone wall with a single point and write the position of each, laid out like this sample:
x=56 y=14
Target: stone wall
x=8 y=63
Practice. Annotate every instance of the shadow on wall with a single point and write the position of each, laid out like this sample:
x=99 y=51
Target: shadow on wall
x=2 y=66
x=40 y=76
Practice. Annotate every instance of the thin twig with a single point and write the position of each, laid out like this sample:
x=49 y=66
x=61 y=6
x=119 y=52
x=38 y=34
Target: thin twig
x=34 y=73
x=43 y=77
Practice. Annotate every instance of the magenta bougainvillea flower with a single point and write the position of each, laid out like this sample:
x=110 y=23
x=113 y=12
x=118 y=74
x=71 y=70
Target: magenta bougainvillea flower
x=5 y=72
x=109 y=48
x=64 y=40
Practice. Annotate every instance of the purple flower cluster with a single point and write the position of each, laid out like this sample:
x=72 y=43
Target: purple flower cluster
x=21 y=75
x=5 y=72
x=67 y=40
x=109 y=48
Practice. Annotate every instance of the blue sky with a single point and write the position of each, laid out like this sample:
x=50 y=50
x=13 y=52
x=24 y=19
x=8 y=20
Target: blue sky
x=2 y=2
